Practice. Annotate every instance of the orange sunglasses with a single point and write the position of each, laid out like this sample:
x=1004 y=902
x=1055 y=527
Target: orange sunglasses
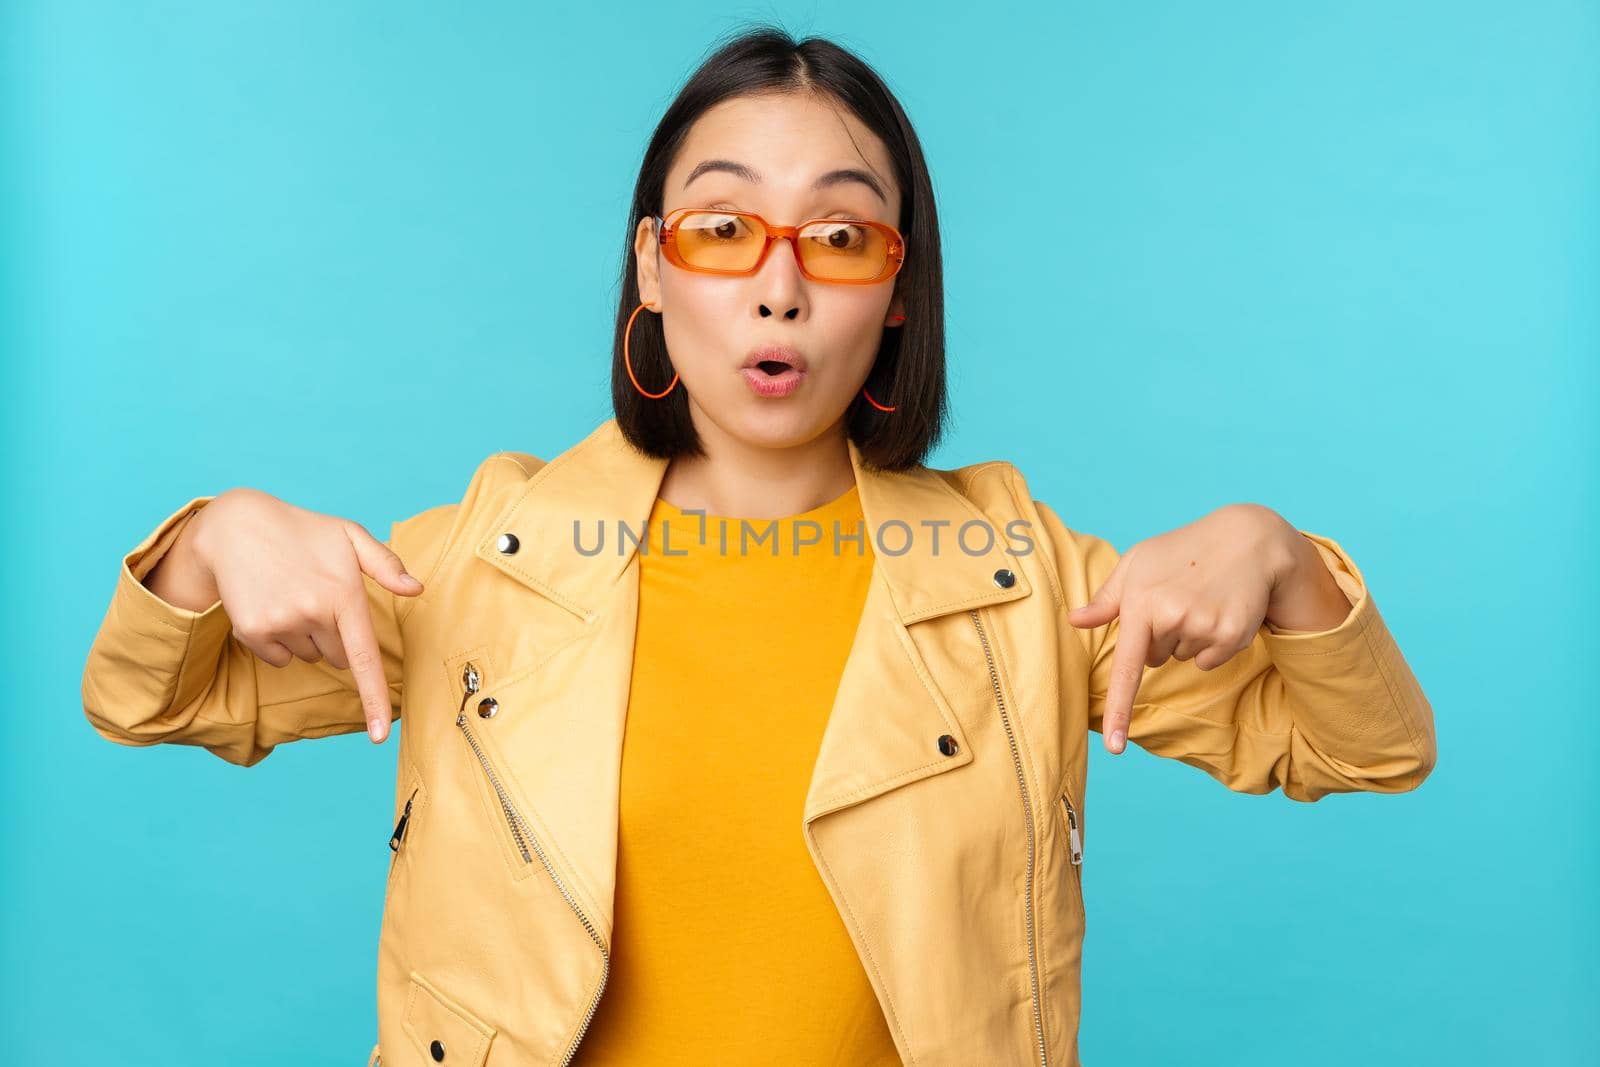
x=737 y=242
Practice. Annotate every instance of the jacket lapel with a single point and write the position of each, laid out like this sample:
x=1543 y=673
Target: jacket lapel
x=891 y=708
x=557 y=516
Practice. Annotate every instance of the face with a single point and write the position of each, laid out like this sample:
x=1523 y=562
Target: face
x=713 y=322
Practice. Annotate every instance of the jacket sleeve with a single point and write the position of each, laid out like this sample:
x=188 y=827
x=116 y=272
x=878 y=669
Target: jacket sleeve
x=160 y=673
x=1310 y=712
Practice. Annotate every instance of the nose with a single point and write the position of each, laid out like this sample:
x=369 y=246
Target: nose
x=779 y=285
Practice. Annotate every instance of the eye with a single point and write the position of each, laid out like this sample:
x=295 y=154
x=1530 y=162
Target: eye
x=715 y=226
x=837 y=235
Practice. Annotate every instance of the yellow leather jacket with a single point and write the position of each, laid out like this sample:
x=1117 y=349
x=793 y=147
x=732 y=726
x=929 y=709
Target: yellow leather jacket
x=946 y=812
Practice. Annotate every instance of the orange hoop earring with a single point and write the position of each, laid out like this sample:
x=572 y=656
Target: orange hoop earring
x=873 y=402
x=627 y=360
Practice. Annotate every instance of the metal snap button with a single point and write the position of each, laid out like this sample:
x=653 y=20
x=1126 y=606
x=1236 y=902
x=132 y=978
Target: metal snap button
x=508 y=543
x=436 y=1050
x=487 y=707
x=947 y=745
x=1004 y=578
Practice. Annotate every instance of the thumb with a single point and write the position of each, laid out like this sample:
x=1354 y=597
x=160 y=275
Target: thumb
x=379 y=561
x=1102 y=607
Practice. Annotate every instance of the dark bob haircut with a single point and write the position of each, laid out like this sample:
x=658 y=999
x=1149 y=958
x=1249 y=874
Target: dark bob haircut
x=909 y=371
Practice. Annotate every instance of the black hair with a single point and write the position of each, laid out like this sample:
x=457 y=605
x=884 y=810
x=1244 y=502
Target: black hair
x=909 y=371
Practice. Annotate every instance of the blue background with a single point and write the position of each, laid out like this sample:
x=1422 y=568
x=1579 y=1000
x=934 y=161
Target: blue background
x=1342 y=262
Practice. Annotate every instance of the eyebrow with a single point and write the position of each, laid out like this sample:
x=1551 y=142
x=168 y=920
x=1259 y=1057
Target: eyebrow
x=833 y=177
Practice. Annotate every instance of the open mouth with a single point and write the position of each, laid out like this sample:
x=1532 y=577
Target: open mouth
x=773 y=378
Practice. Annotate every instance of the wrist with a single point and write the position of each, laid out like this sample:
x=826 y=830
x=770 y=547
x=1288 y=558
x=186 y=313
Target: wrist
x=1277 y=545
x=1307 y=597
x=183 y=575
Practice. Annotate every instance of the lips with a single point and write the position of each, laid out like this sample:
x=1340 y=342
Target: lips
x=773 y=371
x=774 y=359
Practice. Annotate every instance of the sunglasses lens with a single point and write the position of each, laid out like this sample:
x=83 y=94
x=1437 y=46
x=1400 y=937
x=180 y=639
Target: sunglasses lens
x=716 y=240
x=835 y=250
x=844 y=251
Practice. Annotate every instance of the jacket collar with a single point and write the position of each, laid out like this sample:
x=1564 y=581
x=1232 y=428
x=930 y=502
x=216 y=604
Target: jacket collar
x=603 y=478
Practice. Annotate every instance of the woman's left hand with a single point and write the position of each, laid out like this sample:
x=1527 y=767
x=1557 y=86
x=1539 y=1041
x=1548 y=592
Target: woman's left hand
x=1202 y=592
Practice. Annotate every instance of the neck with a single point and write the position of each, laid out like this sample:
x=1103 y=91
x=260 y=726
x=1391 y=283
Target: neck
x=739 y=478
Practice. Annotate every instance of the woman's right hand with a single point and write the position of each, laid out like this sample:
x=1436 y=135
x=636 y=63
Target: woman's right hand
x=291 y=583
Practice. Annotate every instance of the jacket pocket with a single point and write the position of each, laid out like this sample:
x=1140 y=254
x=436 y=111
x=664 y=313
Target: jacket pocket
x=442 y=1030
x=473 y=716
x=1072 y=824
x=477 y=709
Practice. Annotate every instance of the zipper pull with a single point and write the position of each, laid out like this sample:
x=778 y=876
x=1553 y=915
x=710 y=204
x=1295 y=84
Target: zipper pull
x=471 y=681
x=1074 y=839
x=400 y=827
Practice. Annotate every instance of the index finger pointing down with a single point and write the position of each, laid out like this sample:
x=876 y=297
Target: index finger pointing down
x=366 y=663
x=1127 y=670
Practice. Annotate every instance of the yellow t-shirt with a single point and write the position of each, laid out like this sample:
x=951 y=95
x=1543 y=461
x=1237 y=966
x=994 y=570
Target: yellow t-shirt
x=727 y=947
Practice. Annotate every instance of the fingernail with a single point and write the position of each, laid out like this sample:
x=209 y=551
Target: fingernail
x=410 y=579
x=375 y=729
x=1117 y=738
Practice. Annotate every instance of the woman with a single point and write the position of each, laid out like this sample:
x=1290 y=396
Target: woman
x=734 y=732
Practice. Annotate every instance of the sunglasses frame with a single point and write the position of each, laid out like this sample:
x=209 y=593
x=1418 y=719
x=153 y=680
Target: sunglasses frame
x=667 y=230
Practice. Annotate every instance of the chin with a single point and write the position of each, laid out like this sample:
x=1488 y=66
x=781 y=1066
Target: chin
x=776 y=424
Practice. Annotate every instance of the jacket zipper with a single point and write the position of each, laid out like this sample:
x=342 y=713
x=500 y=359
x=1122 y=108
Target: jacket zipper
x=471 y=681
x=1074 y=837
x=400 y=826
x=1074 y=846
x=1027 y=818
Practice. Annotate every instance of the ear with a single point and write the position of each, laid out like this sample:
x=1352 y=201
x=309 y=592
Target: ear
x=646 y=254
